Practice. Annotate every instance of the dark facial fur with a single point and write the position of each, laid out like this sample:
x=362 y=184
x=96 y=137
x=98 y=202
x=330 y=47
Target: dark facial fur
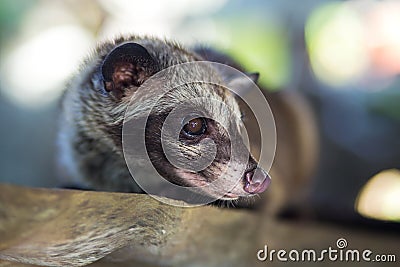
x=93 y=109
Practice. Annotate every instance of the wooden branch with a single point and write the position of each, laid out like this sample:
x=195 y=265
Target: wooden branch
x=68 y=227
x=51 y=227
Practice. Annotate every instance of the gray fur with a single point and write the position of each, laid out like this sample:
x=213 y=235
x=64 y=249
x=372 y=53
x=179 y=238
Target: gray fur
x=91 y=122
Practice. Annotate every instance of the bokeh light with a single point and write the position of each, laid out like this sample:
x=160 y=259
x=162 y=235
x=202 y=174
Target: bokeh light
x=380 y=197
x=37 y=69
x=335 y=39
x=384 y=37
x=355 y=43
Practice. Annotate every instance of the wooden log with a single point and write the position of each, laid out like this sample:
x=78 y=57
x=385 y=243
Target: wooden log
x=49 y=227
x=67 y=227
x=73 y=228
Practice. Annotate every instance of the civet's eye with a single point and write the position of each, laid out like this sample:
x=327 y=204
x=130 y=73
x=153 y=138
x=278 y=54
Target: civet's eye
x=195 y=127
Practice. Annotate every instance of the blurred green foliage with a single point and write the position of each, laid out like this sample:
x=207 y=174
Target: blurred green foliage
x=261 y=45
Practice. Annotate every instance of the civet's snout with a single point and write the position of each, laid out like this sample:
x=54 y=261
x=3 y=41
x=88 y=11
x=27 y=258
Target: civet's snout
x=256 y=181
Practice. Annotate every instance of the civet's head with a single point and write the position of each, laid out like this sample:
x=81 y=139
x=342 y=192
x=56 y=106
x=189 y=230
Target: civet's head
x=193 y=129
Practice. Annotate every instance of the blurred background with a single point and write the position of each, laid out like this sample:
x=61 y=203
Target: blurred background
x=343 y=56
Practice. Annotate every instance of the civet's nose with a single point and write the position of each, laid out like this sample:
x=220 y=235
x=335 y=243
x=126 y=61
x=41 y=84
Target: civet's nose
x=256 y=181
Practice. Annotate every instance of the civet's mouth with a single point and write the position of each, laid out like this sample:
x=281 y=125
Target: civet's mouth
x=252 y=183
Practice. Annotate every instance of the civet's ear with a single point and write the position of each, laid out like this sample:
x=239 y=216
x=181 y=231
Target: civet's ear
x=242 y=84
x=253 y=76
x=126 y=65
